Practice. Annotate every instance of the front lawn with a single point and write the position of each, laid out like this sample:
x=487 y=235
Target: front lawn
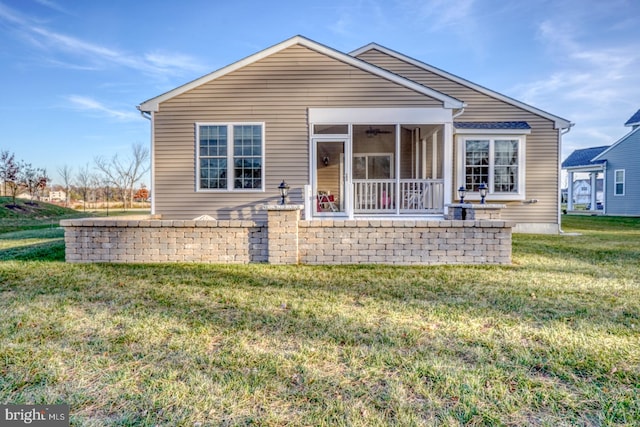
x=552 y=340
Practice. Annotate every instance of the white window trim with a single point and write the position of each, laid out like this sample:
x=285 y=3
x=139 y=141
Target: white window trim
x=230 y=163
x=491 y=196
x=616 y=182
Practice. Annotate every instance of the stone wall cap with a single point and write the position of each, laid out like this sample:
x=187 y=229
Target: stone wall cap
x=281 y=207
x=477 y=206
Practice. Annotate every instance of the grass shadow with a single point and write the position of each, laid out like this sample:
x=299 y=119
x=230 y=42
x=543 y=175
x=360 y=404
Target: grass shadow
x=51 y=251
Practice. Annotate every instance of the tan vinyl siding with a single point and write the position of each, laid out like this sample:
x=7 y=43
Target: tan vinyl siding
x=277 y=91
x=542 y=154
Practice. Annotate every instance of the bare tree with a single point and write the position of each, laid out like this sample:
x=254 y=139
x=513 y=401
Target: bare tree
x=123 y=174
x=11 y=171
x=66 y=173
x=8 y=169
x=84 y=182
x=141 y=165
x=33 y=179
x=42 y=179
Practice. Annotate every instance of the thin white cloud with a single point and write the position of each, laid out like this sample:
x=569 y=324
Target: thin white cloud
x=595 y=83
x=352 y=15
x=81 y=54
x=84 y=103
x=587 y=76
x=461 y=19
x=445 y=14
x=52 y=5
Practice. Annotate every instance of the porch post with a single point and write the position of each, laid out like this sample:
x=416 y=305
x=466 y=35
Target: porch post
x=434 y=157
x=447 y=164
x=570 y=192
x=594 y=181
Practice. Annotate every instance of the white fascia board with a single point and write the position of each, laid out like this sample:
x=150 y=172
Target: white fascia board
x=595 y=168
x=514 y=132
x=600 y=156
x=153 y=104
x=559 y=122
x=380 y=115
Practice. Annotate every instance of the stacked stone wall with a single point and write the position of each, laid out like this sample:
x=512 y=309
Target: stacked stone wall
x=285 y=239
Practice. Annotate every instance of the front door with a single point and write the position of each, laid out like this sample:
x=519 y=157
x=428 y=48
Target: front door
x=331 y=187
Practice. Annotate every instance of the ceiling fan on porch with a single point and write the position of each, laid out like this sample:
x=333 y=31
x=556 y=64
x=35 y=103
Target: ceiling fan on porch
x=371 y=132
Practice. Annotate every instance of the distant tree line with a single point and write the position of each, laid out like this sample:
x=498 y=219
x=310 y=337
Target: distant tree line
x=18 y=176
x=108 y=179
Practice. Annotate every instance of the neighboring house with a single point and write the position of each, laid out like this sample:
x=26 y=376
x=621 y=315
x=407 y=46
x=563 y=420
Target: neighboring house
x=57 y=196
x=618 y=164
x=579 y=190
x=582 y=191
x=621 y=163
x=373 y=133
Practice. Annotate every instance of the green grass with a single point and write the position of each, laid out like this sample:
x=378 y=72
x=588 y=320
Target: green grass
x=552 y=340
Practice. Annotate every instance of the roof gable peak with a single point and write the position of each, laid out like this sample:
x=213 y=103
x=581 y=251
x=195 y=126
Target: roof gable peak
x=634 y=120
x=560 y=123
x=153 y=104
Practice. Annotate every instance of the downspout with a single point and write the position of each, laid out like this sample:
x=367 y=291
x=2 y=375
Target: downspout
x=604 y=188
x=563 y=131
x=458 y=114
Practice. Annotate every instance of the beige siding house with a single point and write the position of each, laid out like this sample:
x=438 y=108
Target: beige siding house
x=370 y=134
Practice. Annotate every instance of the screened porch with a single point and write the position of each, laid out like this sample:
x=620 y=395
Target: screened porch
x=391 y=170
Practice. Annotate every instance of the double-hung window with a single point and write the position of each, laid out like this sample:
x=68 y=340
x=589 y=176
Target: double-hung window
x=230 y=156
x=619 y=182
x=497 y=161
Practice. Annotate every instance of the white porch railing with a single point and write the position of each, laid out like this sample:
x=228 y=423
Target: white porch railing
x=414 y=196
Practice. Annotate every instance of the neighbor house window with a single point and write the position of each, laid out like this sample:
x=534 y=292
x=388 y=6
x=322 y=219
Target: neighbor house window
x=619 y=182
x=230 y=156
x=497 y=161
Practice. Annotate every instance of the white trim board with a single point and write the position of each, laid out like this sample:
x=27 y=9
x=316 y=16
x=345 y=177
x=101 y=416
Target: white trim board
x=380 y=115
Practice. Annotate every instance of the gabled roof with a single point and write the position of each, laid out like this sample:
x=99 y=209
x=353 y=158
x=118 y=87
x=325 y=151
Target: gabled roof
x=600 y=156
x=634 y=120
x=560 y=123
x=583 y=157
x=448 y=101
x=492 y=125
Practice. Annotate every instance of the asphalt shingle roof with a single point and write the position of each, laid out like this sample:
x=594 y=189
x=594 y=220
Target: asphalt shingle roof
x=492 y=125
x=634 y=120
x=583 y=157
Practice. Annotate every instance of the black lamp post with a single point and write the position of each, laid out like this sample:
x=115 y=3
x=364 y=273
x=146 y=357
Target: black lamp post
x=284 y=190
x=461 y=193
x=483 y=192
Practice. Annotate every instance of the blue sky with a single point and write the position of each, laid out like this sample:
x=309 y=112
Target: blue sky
x=72 y=72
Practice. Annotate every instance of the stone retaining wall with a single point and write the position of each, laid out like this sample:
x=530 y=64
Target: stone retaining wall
x=122 y=240
x=405 y=242
x=285 y=239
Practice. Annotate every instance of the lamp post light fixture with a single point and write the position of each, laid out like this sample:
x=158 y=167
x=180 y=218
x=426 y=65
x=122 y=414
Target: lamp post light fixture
x=284 y=191
x=461 y=193
x=483 y=192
